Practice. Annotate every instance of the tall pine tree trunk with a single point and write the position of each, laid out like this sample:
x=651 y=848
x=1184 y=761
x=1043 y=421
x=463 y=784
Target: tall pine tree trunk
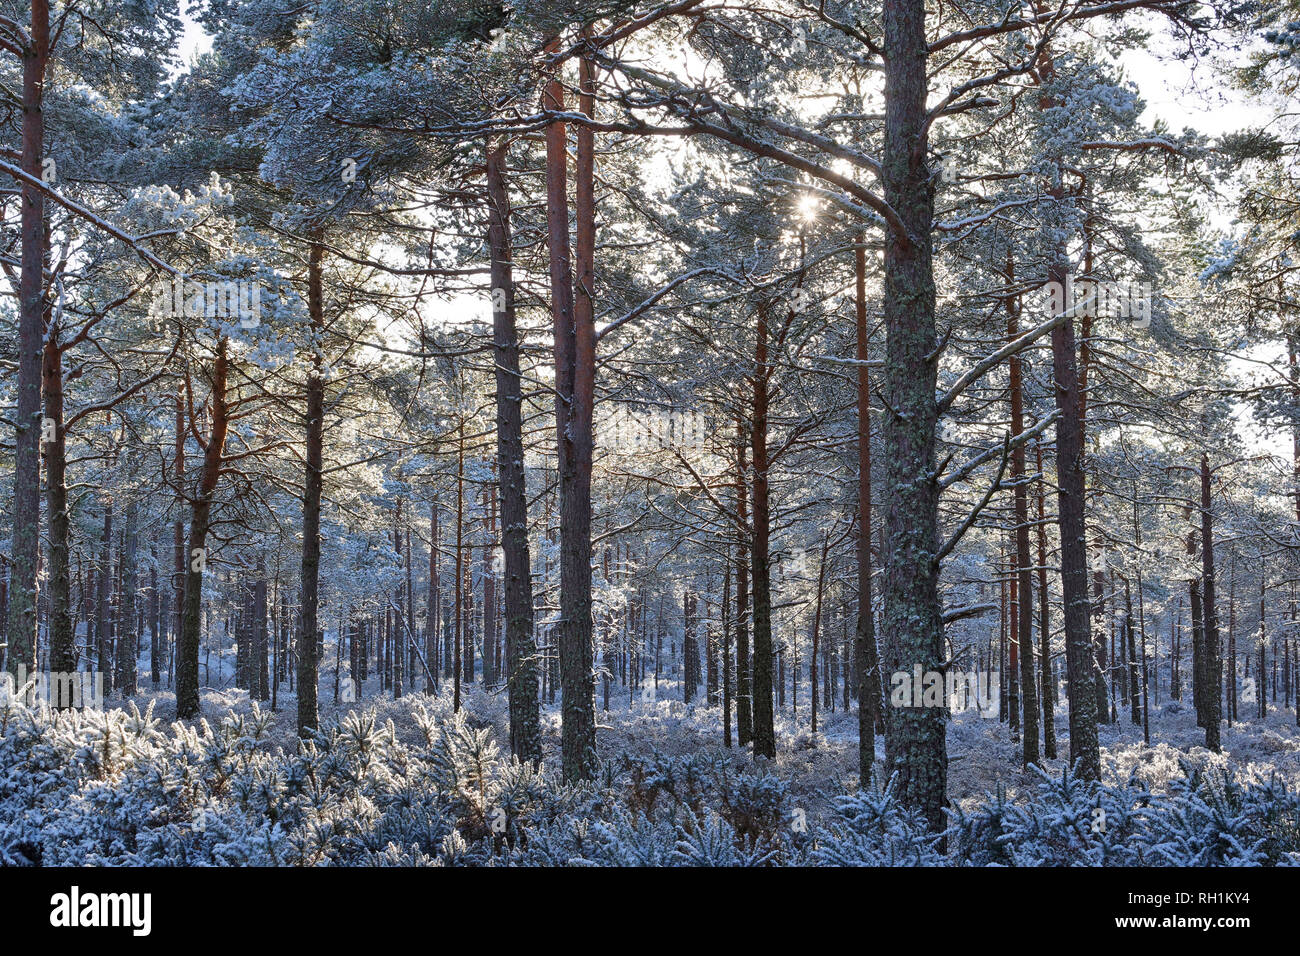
x=764 y=733
x=574 y=326
x=261 y=675
x=1212 y=692
x=458 y=660
x=489 y=593
x=816 y=629
x=178 y=533
x=1046 y=682
x=103 y=598
x=187 y=643
x=158 y=607
x=63 y=644
x=866 y=655
x=726 y=648
x=307 y=647
x=1134 y=679
x=1024 y=604
x=520 y=648
x=128 y=637
x=1080 y=657
x=395 y=610
x=1198 y=647
x=744 y=679
x=915 y=736
x=432 y=605
x=26 y=510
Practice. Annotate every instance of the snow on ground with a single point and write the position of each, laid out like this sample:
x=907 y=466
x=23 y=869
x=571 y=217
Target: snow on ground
x=981 y=754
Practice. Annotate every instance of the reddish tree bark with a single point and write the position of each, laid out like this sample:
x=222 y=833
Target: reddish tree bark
x=1080 y=656
x=21 y=632
x=575 y=361
x=764 y=733
x=521 y=651
x=187 y=644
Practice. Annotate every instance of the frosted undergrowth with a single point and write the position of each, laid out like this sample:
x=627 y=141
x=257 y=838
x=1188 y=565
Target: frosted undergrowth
x=410 y=783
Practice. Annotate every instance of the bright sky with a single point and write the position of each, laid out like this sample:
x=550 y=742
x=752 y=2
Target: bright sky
x=1183 y=96
x=194 y=41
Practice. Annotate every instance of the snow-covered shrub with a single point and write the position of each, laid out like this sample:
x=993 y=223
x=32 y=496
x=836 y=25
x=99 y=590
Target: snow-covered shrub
x=617 y=837
x=1213 y=818
x=682 y=781
x=115 y=788
x=871 y=828
x=712 y=841
x=756 y=805
x=1069 y=822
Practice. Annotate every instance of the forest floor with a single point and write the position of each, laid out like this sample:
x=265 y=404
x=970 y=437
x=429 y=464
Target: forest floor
x=982 y=756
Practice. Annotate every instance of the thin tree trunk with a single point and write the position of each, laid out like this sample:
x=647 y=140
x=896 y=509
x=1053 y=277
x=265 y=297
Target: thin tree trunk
x=763 y=728
x=187 y=645
x=127 y=646
x=1232 y=640
x=63 y=645
x=1045 y=621
x=1175 y=684
x=458 y=660
x=104 y=599
x=1012 y=585
x=866 y=654
x=1213 y=666
x=489 y=592
x=409 y=640
x=1135 y=705
x=308 y=661
x=816 y=629
x=157 y=612
x=432 y=605
x=1142 y=628
x=261 y=675
x=1024 y=604
x=178 y=535
x=726 y=649
x=1261 y=697
x=1198 y=638
x=744 y=683
x=690 y=655
x=711 y=661
x=395 y=611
